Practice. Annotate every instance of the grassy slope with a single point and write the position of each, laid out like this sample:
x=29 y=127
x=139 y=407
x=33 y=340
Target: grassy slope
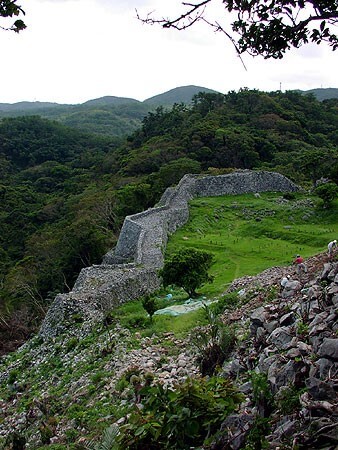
x=248 y=234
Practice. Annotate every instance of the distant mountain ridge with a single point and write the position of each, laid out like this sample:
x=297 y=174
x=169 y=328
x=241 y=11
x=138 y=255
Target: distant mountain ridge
x=183 y=94
x=322 y=93
x=118 y=116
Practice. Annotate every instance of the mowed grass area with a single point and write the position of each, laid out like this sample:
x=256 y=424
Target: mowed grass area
x=248 y=235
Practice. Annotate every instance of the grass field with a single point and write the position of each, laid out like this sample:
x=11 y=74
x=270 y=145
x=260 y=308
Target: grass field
x=248 y=234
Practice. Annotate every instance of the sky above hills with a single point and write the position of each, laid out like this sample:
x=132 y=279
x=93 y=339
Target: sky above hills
x=76 y=50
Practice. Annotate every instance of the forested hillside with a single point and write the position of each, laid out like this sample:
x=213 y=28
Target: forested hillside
x=64 y=194
x=110 y=116
x=118 y=116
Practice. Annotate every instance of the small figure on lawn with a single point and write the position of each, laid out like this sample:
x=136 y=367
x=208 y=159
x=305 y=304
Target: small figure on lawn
x=300 y=266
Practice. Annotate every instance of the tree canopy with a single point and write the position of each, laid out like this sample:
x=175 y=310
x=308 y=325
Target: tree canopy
x=187 y=269
x=268 y=28
x=10 y=9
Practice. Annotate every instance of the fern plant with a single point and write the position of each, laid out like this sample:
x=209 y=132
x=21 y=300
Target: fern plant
x=108 y=439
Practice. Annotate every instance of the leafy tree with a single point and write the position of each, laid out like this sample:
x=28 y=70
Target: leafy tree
x=327 y=192
x=171 y=173
x=188 y=269
x=9 y=8
x=268 y=28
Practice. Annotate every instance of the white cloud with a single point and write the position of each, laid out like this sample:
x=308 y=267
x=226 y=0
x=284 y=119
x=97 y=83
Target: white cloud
x=73 y=51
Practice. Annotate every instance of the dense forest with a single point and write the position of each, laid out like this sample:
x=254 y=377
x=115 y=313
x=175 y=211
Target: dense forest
x=64 y=193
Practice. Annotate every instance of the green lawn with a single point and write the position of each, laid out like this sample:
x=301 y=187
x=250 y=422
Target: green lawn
x=248 y=234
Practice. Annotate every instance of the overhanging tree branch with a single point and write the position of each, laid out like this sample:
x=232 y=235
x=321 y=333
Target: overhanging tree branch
x=268 y=28
x=8 y=9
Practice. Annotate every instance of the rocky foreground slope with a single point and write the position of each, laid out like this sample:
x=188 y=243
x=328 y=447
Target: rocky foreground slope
x=64 y=391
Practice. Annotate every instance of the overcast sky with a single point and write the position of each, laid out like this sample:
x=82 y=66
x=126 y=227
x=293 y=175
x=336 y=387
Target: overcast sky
x=76 y=50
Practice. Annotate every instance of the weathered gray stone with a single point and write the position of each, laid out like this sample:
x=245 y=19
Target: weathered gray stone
x=271 y=325
x=236 y=427
x=323 y=368
x=264 y=363
x=320 y=390
x=281 y=337
x=333 y=289
x=335 y=300
x=284 y=374
x=329 y=349
x=285 y=429
x=287 y=319
x=259 y=316
x=290 y=288
x=326 y=270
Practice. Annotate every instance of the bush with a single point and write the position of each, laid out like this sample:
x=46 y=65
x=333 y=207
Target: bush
x=225 y=302
x=135 y=320
x=187 y=269
x=327 y=192
x=181 y=418
x=149 y=304
x=289 y=195
x=214 y=343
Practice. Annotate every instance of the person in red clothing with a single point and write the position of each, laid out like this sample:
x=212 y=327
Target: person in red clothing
x=300 y=266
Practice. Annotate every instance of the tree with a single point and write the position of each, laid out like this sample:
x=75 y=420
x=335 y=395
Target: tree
x=188 y=269
x=327 y=192
x=9 y=8
x=268 y=28
x=149 y=304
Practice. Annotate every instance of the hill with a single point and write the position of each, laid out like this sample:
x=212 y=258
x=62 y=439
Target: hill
x=26 y=106
x=110 y=115
x=322 y=93
x=109 y=100
x=118 y=116
x=183 y=94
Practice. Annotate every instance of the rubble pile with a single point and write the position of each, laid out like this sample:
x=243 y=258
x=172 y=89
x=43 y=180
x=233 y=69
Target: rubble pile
x=292 y=354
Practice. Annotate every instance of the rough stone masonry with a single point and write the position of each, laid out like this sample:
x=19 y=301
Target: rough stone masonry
x=130 y=270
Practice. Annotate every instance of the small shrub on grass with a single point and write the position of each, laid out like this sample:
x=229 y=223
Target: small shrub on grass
x=225 y=302
x=134 y=321
x=327 y=192
x=289 y=195
x=97 y=377
x=13 y=376
x=71 y=344
x=149 y=304
x=71 y=435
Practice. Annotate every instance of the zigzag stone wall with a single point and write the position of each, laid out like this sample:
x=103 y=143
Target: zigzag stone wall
x=130 y=270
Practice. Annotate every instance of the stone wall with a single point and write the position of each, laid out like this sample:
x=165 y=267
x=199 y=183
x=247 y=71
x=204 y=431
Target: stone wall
x=130 y=270
x=173 y=211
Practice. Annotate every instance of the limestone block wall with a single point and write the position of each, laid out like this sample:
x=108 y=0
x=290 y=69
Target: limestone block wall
x=173 y=211
x=130 y=270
